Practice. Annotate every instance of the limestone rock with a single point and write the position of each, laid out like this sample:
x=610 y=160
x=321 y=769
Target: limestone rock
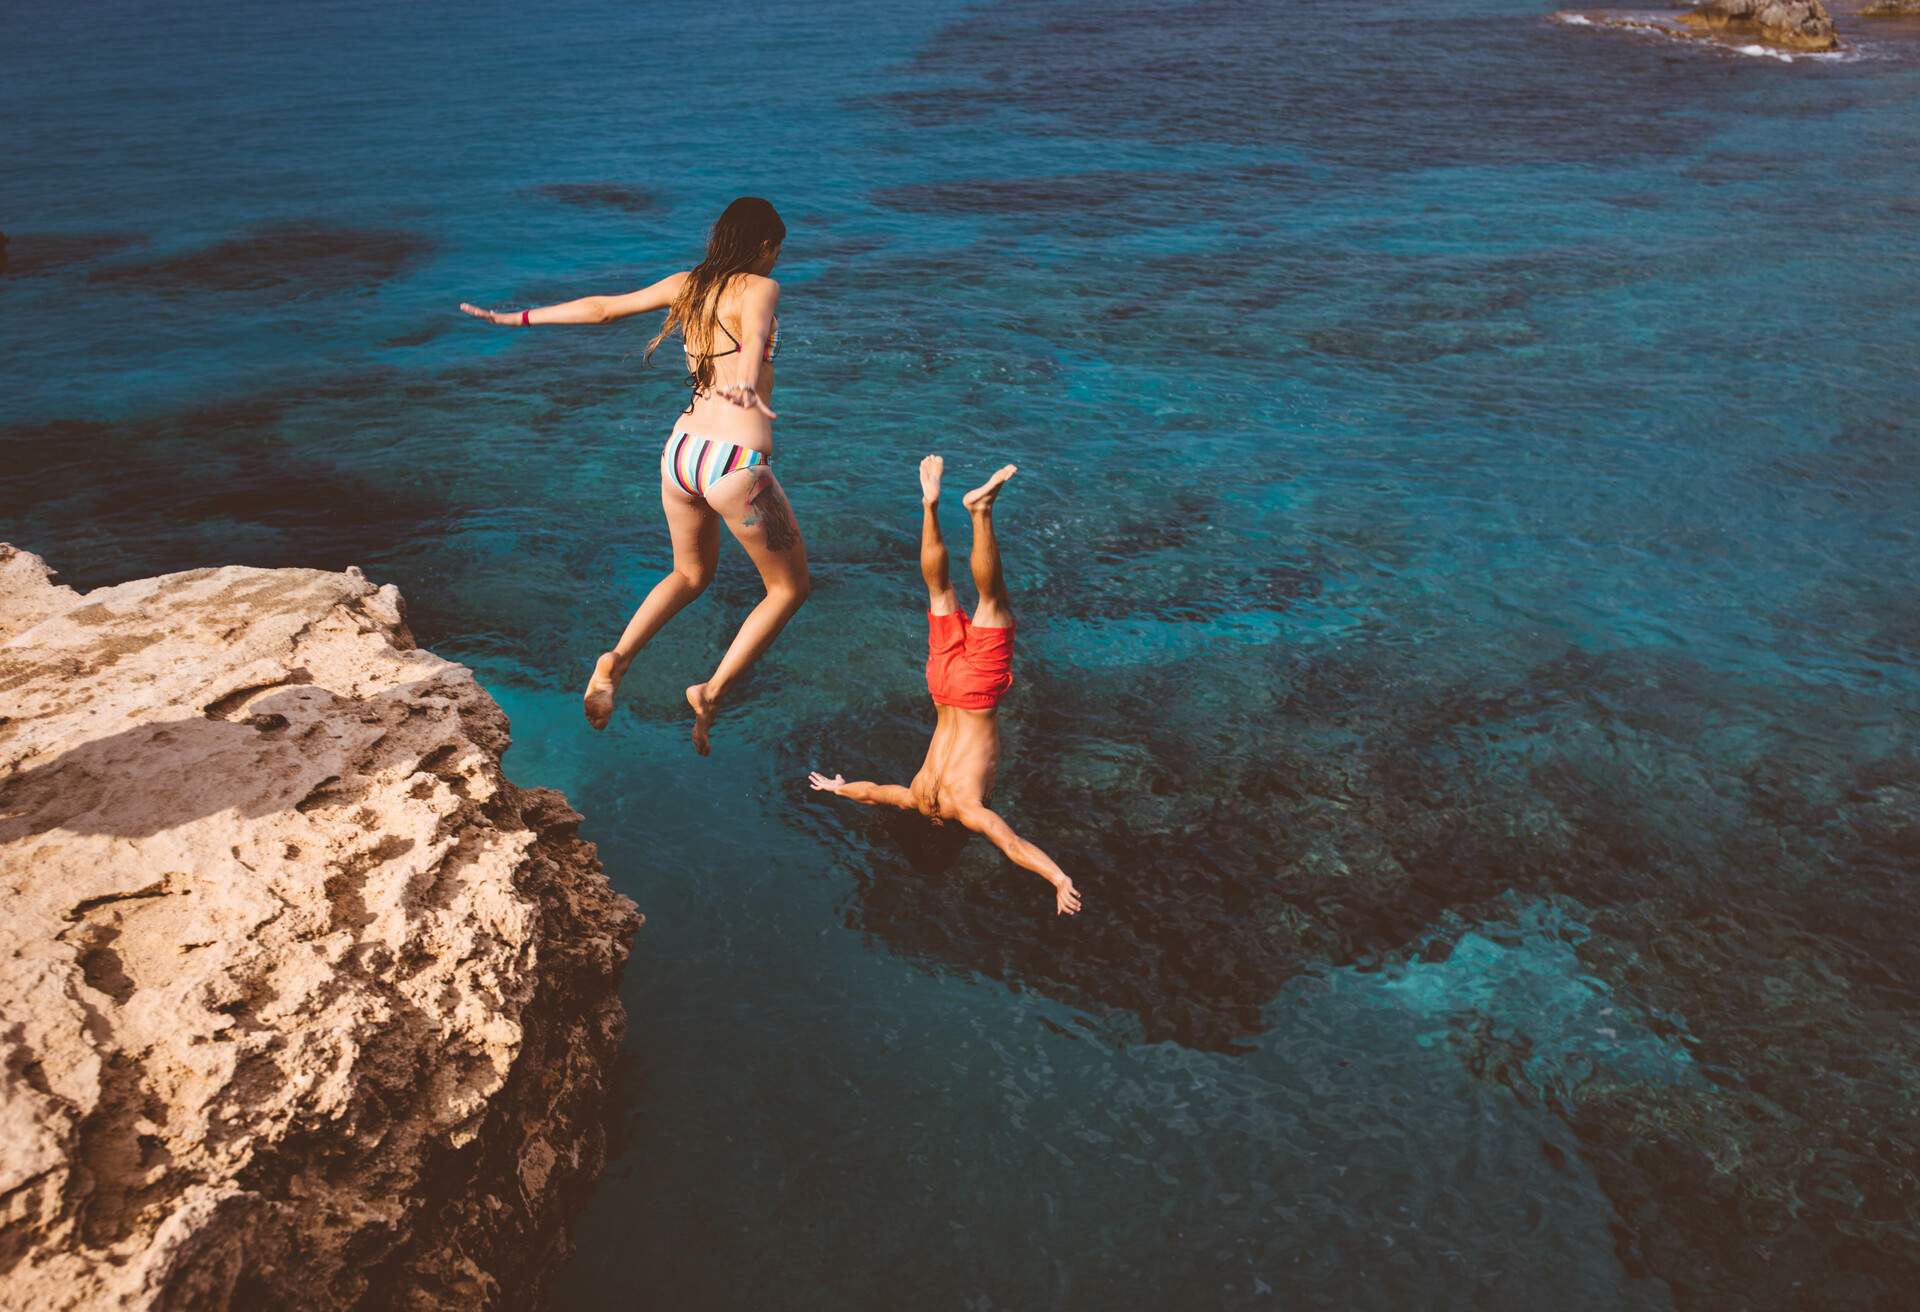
x=302 y=1004
x=28 y=593
x=1891 y=8
x=1795 y=24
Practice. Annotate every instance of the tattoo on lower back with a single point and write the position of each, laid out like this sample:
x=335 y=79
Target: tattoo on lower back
x=768 y=506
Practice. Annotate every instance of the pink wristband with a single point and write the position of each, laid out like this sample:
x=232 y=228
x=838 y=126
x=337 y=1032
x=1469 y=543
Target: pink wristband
x=525 y=322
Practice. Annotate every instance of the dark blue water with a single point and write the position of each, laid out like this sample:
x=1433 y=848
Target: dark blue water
x=1464 y=552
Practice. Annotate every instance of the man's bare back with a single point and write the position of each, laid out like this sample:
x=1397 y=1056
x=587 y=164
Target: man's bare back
x=969 y=668
x=960 y=765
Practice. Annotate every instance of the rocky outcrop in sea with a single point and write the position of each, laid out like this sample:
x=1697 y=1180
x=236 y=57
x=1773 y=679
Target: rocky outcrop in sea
x=1794 y=24
x=302 y=1003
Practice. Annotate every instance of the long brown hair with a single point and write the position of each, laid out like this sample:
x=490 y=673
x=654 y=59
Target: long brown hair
x=743 y=234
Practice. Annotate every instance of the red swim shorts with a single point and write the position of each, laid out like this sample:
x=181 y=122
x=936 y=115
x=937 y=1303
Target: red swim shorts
x=968 y=667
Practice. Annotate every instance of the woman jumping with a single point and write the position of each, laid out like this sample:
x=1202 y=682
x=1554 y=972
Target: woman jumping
x=716 y=464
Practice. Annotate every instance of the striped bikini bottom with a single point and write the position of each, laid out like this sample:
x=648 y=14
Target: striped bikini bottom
x=695 y=464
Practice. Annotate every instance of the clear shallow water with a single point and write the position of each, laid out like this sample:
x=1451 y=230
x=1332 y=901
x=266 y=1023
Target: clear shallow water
x=1464 y=558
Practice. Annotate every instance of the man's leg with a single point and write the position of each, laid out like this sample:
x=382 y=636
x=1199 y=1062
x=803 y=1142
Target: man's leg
x=995 y=610
x=941 y=598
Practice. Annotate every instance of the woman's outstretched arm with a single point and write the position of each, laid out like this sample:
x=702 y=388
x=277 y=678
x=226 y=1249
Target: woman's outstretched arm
x=588 y=309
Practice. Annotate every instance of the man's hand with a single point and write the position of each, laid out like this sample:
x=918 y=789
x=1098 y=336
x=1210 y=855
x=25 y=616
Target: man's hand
x=825 y=785
x=1066 y=898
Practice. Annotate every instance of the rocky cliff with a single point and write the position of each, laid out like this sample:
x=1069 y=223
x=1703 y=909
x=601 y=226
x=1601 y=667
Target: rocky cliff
x=302 y=1004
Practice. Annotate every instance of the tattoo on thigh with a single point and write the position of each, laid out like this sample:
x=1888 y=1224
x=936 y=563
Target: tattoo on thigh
x=768 y=506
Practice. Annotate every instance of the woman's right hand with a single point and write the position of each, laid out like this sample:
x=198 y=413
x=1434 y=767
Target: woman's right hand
x=491 y=316
x=747 y=398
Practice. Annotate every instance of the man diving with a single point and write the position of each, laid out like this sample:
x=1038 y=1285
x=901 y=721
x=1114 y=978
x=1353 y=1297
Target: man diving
x=969 y=668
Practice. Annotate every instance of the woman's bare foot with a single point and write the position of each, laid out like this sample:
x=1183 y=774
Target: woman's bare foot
x=703 y=712
x=982 y=497
x=930 y=471
x=600 y=689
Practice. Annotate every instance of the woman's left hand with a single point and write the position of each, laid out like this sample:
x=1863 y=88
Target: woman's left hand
x=745 y=397
x=491 y=316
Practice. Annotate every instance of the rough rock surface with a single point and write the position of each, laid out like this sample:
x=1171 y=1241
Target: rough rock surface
x=1796 y=24
x=28 y=593
x=1891 y=9
x=302 y=1004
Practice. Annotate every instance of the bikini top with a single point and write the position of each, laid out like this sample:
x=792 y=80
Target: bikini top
x=773 y=342
x=773 y=349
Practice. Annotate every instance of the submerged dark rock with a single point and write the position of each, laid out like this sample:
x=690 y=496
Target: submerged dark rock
x=1387 y=812
x=285 y=259
x=28 y=254
x=601 y=195
x=248 y=476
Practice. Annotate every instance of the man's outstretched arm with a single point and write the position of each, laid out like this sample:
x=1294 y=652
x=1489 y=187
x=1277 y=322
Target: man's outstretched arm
x=861 y=791
x=984 y=820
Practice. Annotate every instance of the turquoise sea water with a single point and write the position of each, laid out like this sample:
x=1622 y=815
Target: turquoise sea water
x=1464 y=555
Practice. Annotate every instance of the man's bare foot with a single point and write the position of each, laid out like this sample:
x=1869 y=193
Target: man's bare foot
x=703 y=711
x=930 y=471
x=600 y=690
x=982 y=497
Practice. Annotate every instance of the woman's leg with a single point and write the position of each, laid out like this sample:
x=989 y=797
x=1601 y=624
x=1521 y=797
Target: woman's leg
x=756 y=509
x=696 y=548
